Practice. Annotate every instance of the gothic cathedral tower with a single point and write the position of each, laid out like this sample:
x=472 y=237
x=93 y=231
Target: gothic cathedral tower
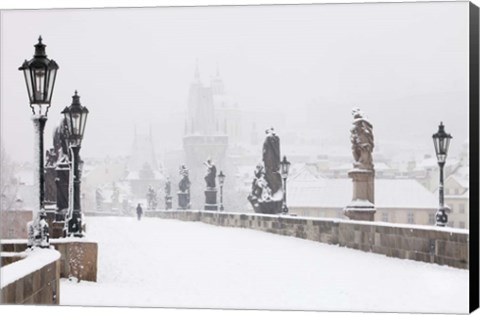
x=202 y=139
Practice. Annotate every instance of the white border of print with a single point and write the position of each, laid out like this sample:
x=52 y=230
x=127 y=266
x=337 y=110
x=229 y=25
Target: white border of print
x=48 y=4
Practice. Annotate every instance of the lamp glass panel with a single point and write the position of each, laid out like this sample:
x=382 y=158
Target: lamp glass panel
x=76 y=123
x=39 y=75
x=441 y=145
x=84 y=123
x=28 y=81
x=447 y=144
x=52 y=73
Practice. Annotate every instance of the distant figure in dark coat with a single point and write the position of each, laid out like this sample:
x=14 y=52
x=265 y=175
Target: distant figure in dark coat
x=139 y=212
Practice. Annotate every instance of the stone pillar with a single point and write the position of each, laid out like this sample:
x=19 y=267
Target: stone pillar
x=362 y=206
x=168 y=202
x=62 y=183
x=211 y=199
x=183 y=200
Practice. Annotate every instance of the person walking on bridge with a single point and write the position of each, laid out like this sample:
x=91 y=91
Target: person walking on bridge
x=139 y=212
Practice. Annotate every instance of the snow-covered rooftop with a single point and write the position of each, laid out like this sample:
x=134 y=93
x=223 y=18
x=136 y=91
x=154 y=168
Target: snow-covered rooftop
x=308 y=190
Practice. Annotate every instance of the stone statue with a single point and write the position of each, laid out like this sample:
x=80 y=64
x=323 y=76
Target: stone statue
x=266 y=195
x=99 y=198
x=362 y=140
x=168 y=187
x=115 y=197
x=271 y=160
x=211 y=174
x=51 y=157
x=60 y=139
x=184 y=185
x=362 y=206
x=168 y=191
x=151 y=198
x=257 y=188
x=184 y=189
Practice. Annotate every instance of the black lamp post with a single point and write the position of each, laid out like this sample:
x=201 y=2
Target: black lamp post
x=40 y=73
x=221 y=180
x=285 y=167
x=76 y=118
x=441 y=140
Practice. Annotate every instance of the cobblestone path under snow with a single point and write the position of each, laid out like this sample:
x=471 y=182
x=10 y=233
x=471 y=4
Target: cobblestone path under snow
x=169 y=263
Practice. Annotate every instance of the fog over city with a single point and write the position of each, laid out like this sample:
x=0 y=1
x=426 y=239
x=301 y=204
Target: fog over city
x=404 y=65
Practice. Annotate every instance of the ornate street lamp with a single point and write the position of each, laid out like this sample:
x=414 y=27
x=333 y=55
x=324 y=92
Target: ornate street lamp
x=40 y=73
x=285 y=167
x=76 y=118
x=441 y=141
x=221 y=180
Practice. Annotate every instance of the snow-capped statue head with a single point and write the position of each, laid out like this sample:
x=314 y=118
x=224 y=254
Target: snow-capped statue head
x=270 y=132
x=357 y=113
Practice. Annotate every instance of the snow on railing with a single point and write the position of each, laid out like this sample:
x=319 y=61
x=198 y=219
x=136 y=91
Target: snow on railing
x=35 y=259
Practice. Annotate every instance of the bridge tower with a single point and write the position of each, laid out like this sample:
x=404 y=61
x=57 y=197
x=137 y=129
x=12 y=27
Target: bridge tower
x=203 y=138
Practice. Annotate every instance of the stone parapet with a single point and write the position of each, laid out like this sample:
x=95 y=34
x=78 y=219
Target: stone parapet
x=431 y=244
x=35 y=279
x=78 y=256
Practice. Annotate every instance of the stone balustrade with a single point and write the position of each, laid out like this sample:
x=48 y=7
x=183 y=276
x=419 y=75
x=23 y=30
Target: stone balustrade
x=78 y=256
x=32 y=279
x=440 y=245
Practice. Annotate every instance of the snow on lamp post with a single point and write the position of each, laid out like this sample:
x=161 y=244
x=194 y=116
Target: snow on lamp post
x=40 y=73
x=285 y=167
x=221 y=180
x=441 y=141
x=76 y=118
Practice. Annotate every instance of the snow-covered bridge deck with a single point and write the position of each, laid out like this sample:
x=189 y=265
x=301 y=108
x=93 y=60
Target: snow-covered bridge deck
x=171 y=263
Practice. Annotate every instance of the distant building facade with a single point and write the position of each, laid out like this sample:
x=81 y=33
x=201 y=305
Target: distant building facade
x=457 y=198
x=396 y=200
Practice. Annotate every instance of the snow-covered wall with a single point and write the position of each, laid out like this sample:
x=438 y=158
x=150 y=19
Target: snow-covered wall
x=78 y=256
x=443 y=246
x=33 y=279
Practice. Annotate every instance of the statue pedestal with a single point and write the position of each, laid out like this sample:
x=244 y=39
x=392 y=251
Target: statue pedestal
x=168 y=202
x=183 y=200
x=362 y=206
x=211 y=199
x=269 y=207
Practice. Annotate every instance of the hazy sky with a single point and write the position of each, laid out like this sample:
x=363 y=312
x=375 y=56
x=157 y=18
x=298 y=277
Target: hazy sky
x=405 y=65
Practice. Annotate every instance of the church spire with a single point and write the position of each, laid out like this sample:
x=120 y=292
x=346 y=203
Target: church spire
x=217 y=85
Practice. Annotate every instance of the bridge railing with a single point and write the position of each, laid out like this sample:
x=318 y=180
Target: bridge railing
x=33 y=278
